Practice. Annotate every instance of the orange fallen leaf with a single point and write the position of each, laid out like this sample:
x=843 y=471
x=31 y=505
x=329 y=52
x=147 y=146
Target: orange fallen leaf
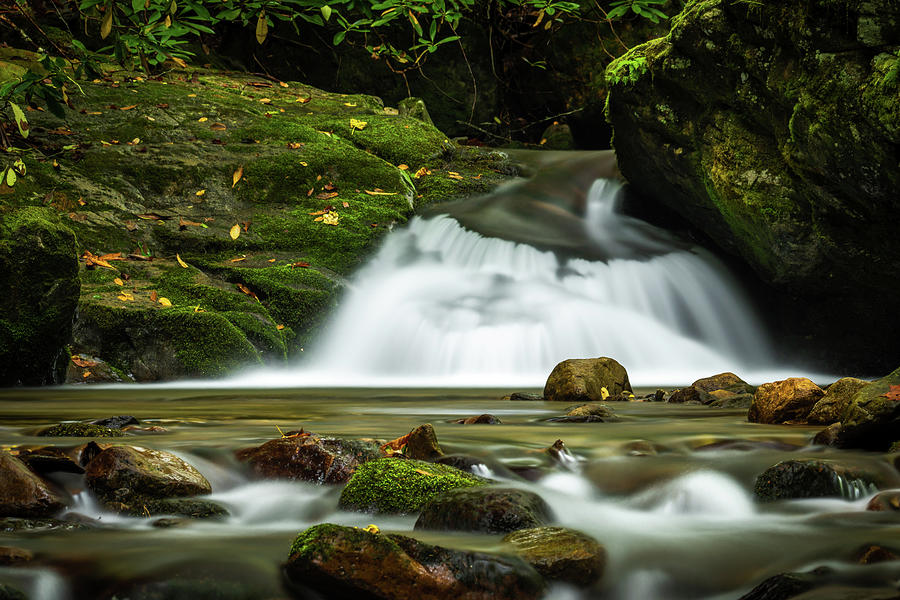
x=118 y=281
x=302 y=264
x=154 y=296
x=83 y=362
x=271 y=260
x=239 y=259
x=218 y=127
x=247 y=291
x=236 y=176
x=403 y=167
x=279 y=327
x=129 y=107
x=326 y=195
x=182 y=223
x=112 y=256
x=303 y=100
x=345 y=204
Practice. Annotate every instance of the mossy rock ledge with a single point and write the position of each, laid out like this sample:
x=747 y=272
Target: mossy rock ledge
x=203 y=193
x=400 y=486
x=774 y=127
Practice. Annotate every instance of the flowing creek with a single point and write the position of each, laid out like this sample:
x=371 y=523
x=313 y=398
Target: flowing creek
x=667 y=490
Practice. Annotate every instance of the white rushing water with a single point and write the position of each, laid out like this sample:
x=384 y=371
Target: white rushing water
x=441 y=305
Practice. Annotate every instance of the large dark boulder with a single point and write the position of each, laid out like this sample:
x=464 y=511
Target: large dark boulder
x=489 y=510
x=24 y=494
x=583 y=380
x=813 y=479
x=345 y=563
x=308 y=458
x=774 y=127
x=39 y=279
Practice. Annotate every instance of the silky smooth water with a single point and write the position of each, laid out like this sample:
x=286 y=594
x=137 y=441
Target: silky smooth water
x=667 y=490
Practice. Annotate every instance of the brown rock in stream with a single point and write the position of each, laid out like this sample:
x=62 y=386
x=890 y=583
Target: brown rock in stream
x=885 y=501
x=560 y=554
x=722 y=381
x=23 y=493
x=308 y=458
x=485 y=509
x=10 y=555
x=419 y=444
x=345 y=563
x=124 y=477
x=784 y=401
x=484 y=419
x=831 y=407
x=582 y=380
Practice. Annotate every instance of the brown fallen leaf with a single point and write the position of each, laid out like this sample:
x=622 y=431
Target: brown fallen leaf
x=239 y=259
x=235 y=231
x=403 y=167
x=294 y=145
x=151 y=217
x=310 y=192
x=302 y=264
x=345 y=204
x=183 y=264
x=218 y=127
x=130 y=225
x=111 y=256
x=303 y=100
x=182 y=223
x=326 y=195
x=129 y=107
x=246 y=225
x=247 y=291
x=83 y=362
x=154 y=296
x=236 y=176
x=423 y=472
x=140 y=257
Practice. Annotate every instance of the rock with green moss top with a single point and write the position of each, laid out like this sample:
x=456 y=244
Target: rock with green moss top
x=838 y=396
x=347 y=563
x=871 y=420
x=774 y=127
x=39 y=276
x=126 y=478
x=395 y=485
x=80 y=430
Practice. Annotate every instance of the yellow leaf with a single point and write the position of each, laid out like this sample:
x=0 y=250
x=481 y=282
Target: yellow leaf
x=271 y=260
x=168 y=21
x=421 y=172
x=199 y=192
x=372 y=529
x=236 y=176
x=183 y=264
x=604 y=393
x=235 y=231
x=202 y=120
x=118 y=281
x=106 y=23
x=379 y=193
x=279 y=327
x=165 y=301
x=357 y=124
x=330 y=218
x=262 y=28
x=192 y=95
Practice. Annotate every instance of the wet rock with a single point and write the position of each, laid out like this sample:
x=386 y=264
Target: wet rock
x=475 y=464
x=524 y=397
x=731 y=400
x=828 y=436
x=419 y=444
x=587 y=413
x=308 y=458
x=872 y=554
x=394 y=485
x=89 y=451
x=689 y=394
x=484 y=419
x=488 y=510
x=84 y=368
x=192 y=508
x=560 y=454
x=810 y=479
x=117 y=422
x=80 y=430
x=10 y=555
x=12 y=525
x=583 y=379
x=885 y=501
x=783 y=586
x=10 y=593
x=345 y=563
x=23 y=493
x=784 y=401
x=49 y=460
x=640 y=448
x=125 y=478
x=872 y=420
x=723 y=381
x=832 y=406
x=560 y=554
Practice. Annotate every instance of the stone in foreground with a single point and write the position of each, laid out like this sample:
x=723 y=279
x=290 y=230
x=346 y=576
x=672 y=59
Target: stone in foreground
x=560 y=554
x=345 y=563
x=784 y=401
x=811 y=479
x=396 y=485
x=489 y=510
x=582 y=380
x=872 y=420
x=24 y=494
x=831 y=408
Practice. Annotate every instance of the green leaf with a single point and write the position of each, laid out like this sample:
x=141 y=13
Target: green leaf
x=338 y=37
x=10 y=177
x=19 y=118
x=326 y=12
x=106 y=23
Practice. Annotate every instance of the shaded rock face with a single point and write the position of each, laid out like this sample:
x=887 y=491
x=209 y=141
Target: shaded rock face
x=349 y=564
x=885 y=501
x=810 y=479
x=489 y=510
x=39 y=276
x=831 y=408
x=773 y=128
x=422 y=443
x=723 y=381
x=560 y=554
x=308 y=458
x=690 y=394
x=872 y=419
x=125 y=478
x=581 y=380
x=395 y=485
x=587 y=413
x=24 y=494
x=783 y=401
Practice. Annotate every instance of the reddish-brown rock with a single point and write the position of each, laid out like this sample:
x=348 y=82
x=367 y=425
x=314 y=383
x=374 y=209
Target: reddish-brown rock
x=308 y=458
x=23 y=493
x=784 y=401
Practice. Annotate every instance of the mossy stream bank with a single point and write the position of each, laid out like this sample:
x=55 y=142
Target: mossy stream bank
x=240 y=201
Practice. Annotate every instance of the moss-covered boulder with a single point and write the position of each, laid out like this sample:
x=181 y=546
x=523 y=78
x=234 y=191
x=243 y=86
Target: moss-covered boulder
x=872 y=418
x=774 y=127
x=308 y=458
x=39 y=279
x=485 y=509
x=838 y=396
x=560 y=554
x=584 y=379
x=126 y=478
x=346 y=563
x=216 y=215
x=395 y=485
x=80 y=430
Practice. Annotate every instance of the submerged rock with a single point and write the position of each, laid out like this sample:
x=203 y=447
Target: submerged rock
x=10 y=555
x=484 y=419
x=117 y=422
x=832 y=406
x=560 y=554
x=23 y=493
x=689 y=395
x=872 y=419
x=872 y=554
x=125 y=478
x=80 y=430
x=731 y=400
x=885 y=501
x=395 y=485
x=784 y=401
x=345 y=563
x=812 y=479
x=489 y=510
x=71 y=522
x=524 y=397
x=583 y=379
x=587 y=413
x=308 y=458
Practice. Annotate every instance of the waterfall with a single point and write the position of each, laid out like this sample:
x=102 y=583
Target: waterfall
x=440 y=304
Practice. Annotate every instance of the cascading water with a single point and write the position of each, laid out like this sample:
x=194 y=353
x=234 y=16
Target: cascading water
x=443 y=305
